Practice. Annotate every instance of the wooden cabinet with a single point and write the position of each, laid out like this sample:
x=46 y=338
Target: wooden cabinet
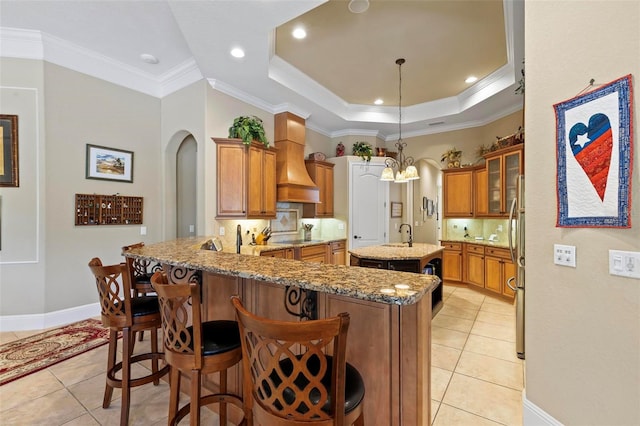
x=474 y=266
x=321 y=172
x=314 y=253
x=452 y=261
x=246 y=180
x=338 y=252
x=498 y=269
x=287 y=253
x=503 y=168
x=457 y=191
x=481 y=198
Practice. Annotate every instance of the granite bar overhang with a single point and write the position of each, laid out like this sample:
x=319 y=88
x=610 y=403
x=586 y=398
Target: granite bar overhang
x=360 y=283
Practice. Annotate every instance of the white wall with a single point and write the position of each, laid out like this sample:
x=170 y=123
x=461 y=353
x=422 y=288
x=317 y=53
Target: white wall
x=62 y=111
x=582 y=324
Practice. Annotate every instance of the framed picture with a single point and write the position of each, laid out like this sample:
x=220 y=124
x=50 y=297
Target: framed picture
x=9 y=150
x=396 y=209
x=594 y=133
x=109 y=164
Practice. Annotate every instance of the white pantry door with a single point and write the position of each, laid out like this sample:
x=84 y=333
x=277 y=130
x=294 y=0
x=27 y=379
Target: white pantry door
x=368 y=211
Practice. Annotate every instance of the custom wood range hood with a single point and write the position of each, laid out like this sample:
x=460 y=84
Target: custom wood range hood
x=292 y=180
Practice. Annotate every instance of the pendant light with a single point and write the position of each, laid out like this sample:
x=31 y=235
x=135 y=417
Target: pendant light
x=403 y=166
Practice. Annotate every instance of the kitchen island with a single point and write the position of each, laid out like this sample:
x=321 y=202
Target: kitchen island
x=418 y=258
x=389 y=338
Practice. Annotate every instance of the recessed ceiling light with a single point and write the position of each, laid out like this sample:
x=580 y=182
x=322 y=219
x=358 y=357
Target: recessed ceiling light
x=299 y=33
x=358 y=6
x=471 y=79
x=236 y=52
x=378 y=102
x=149 y=59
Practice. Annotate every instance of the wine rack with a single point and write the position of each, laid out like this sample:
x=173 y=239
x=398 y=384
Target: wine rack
x=95 y=209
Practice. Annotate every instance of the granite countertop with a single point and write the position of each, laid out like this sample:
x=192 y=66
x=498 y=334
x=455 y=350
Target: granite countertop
x=397 y=251
x=255 y=250
x=499 y=244
x=360 y=283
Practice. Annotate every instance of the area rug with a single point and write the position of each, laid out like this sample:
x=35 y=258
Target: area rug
x=34 y=353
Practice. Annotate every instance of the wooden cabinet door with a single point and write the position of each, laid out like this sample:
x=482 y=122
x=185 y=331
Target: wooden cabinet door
x=451 y=265
x=231 y=180
x=321 y=173
x=481 y=201
x=338 y=253
x=458 y=193
x=503 y=170
x=494 y=185
x=493 y=271
x=314 y=253
x=512 y=166
x=261 y=202
x=475 y=269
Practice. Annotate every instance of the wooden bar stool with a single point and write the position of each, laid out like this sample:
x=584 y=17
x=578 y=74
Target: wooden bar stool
x=140 y=271
x=196 y=348
x=122 y=313
x=288 y=377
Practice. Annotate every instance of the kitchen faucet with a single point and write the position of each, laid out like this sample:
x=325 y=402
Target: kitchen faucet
x=410 y=233
x=238 y=239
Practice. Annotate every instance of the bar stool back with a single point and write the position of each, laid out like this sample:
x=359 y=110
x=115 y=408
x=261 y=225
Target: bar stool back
x=196 y=348
x=288 y=377
x=122 y=313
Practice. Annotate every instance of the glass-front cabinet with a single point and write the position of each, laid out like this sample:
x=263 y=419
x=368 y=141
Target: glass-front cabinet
x=503 y=168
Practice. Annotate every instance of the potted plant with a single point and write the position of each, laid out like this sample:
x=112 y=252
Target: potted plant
x=248 y=128
x=363 y=150
x=452 y=157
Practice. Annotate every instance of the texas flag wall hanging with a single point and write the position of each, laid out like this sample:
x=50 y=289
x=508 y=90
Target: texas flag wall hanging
x=594 y=133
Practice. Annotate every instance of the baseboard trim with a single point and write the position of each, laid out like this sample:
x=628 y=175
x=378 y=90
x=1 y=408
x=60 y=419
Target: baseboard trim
x=49 y=319
x=532 y=415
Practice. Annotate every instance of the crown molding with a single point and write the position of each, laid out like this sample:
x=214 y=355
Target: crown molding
x=30 y=44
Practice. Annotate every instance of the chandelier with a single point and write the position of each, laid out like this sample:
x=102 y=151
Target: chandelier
x=401 y=168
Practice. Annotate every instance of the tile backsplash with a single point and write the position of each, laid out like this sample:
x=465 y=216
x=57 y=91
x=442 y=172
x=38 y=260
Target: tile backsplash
x=455 y=229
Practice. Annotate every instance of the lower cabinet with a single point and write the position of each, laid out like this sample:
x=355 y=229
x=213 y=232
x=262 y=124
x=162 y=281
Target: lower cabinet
x=480 y=266
x=452 y=261
x=334 y=252
x=498 y=269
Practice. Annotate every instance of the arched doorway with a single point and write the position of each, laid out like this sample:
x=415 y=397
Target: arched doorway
x=186 y=188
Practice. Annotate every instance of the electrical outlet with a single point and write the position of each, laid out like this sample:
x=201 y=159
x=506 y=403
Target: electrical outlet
x=143 y=230
x=564 y=255
x=341 y=226
x=221 y=231
x=192 y=228
x=499 y=228
x=624 y=263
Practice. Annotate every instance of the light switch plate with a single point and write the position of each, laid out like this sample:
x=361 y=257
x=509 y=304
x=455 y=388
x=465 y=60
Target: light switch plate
x=564 y=255
x=221 y=231
x=624 y=263
x=143 y=230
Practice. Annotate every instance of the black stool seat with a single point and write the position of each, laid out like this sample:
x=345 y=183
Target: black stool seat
x=354 y=385
x=218 y=337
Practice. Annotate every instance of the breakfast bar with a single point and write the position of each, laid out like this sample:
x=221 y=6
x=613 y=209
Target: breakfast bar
x=389 y=337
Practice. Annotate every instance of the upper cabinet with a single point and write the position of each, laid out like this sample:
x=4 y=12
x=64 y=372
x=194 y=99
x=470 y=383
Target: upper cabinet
x=321 y=172
x=246 y=180
x=457 y=190
x=503 y=168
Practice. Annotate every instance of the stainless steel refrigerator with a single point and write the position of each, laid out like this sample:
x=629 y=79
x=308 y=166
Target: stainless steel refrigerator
x=516 y=246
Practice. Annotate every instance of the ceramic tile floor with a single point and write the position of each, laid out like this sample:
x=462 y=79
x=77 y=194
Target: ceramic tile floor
x=476 y=377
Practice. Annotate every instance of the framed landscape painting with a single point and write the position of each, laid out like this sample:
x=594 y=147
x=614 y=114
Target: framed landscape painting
x=9 y=150
x=109 y=164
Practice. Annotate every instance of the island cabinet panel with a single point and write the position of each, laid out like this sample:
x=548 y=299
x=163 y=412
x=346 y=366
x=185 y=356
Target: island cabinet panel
x=216 y=294
x=457 y=190
x=371 y=348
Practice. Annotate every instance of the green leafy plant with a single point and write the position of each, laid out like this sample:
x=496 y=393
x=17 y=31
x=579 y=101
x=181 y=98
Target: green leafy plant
x=248 y=128
x=363 y=150
x=452 y=157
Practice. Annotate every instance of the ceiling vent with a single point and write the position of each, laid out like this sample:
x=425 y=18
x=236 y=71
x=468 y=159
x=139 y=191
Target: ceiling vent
x=293 y=182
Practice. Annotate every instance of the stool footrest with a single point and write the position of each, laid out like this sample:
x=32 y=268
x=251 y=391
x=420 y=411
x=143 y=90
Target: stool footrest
x=117 y=383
